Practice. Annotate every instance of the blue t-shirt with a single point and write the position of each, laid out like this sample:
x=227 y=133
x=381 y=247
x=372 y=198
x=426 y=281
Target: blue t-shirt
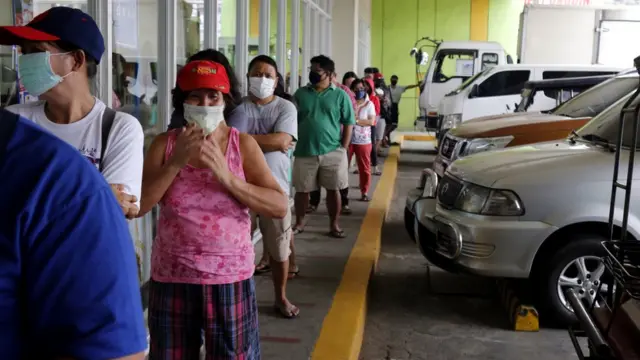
x=68 y=274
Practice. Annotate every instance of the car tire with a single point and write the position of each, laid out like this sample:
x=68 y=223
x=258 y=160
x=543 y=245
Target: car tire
x=546 y=281
x=409 y=222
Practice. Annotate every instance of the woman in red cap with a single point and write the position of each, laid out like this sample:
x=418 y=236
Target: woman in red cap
x=206 y=177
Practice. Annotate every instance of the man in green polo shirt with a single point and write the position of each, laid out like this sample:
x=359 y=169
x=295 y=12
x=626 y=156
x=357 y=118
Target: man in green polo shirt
x=320 y=155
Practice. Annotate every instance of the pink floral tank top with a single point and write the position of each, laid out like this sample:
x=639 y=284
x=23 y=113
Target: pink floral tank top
x=204 y=233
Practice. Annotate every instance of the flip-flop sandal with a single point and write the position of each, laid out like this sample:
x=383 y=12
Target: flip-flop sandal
x=293 y=274
x=311 y=209
x=290 y=313
x=346 y=211
x=365 y=198
x=262 y=268
x=297 y=231
x=377 y=173
x=337 y=234
x=355 y=171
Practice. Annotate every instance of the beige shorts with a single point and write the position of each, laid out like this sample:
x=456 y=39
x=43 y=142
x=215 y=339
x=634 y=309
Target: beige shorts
x=276 y=234
x=329 y=171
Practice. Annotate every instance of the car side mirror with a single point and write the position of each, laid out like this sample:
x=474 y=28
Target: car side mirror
x=474 y=91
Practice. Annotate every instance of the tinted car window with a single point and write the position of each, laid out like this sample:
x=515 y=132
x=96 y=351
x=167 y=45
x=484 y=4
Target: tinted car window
x=595 y=100
x=508 y=82
x=562 y=74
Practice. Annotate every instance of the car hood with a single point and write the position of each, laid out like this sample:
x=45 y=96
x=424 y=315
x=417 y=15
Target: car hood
x=536 y=162
x=502 y=125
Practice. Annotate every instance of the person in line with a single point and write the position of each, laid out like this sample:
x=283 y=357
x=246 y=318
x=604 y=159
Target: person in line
x=273 y=123
x=361 y=141
x=396 y=95
x=69 y=283
x=368 y=73
x=232 y=114
x=370 y=89
x=320 y=154
x=314 y=196
x=348 y=78
x=263 y=265
x=382 y=90
x=207 y=177
x=61 y=49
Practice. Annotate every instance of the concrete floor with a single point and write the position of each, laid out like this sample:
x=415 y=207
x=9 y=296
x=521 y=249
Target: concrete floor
x=418 y=312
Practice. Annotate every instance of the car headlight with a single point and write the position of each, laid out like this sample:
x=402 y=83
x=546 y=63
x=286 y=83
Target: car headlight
x=491 y=202
x=428 y=183
x=450 y=121
x=486 y=144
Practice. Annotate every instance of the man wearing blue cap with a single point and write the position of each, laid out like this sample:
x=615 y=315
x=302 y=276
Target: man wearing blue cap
x=68 y=285
x=61 y=49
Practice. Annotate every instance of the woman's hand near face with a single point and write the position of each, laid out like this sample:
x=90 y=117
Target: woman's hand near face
x=212 y=156
x=187 y=145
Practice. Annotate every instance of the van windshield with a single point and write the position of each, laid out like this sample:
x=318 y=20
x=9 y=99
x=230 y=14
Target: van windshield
x=470 y=81
x=604 y=127
x=598 y=98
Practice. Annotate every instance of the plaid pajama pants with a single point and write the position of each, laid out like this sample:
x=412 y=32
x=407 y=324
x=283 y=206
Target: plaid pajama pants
x=228 y=314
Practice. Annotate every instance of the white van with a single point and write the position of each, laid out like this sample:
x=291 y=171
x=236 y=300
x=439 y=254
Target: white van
x=497 y=90
x=453 y=63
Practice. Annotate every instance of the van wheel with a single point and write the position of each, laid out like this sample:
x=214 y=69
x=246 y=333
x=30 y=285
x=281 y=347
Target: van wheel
x=577 y=265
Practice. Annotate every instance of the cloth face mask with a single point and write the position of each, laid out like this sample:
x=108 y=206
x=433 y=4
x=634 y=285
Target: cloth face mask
x=261 y=87
x=206 y=117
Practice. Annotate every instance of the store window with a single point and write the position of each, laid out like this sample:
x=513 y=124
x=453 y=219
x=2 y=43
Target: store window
x=227 y=29
x=190 y=29
x=135 y=63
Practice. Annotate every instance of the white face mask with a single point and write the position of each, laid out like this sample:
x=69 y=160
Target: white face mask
x=206 y=117
x=261 y=87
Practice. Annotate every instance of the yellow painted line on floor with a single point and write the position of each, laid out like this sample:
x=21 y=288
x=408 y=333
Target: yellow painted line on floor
x=343 y=327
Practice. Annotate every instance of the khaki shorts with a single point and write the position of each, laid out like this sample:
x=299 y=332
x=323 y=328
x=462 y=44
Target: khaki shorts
x=276 y=234
x=329 y=171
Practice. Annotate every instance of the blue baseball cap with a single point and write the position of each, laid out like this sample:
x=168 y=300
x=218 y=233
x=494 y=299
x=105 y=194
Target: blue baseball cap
x=59 y=23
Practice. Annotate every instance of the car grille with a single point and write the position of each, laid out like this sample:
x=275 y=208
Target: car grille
x=448 y=191
x=448 y=146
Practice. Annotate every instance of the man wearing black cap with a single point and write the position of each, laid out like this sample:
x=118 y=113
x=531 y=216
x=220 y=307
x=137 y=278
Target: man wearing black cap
x=61 y=49
x=68 y=279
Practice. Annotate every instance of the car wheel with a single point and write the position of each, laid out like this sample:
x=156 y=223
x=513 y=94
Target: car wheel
x=577 y=265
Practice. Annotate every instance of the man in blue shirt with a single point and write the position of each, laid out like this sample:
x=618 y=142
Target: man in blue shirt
x=68 y=274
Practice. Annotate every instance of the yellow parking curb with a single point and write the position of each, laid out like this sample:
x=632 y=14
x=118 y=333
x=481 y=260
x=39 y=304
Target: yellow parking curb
x=343 y=327
x=521 y=317
x=416 y=137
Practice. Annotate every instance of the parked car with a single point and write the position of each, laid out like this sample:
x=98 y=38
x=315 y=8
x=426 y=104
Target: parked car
x=500 y=131
x=537 y=211
x=496 y=89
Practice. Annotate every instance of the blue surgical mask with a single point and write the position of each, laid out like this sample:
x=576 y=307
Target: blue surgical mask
x=360 y=94
x=36 y=73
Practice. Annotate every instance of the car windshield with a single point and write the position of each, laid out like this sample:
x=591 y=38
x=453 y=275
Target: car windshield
x=598 y=98
x=604 y=127
x=470 y=81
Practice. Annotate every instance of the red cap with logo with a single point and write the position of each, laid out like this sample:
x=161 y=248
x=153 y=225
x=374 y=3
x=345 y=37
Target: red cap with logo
x=203 y=74
x=378 y=76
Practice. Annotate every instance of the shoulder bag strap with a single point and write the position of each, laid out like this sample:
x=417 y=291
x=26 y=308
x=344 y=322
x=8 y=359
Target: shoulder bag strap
x=108 y=117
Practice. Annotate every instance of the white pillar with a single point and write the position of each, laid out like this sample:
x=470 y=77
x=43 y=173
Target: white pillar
x=211 y=24
x=295 y=41
x=306 y=35
x=101 y=12
x=264 y=40
x=242 y=43
x=344 y=39
x=166 y=60
x=281 y=41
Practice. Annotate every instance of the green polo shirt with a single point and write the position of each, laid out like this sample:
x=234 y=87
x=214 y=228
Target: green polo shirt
x=320 y=115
